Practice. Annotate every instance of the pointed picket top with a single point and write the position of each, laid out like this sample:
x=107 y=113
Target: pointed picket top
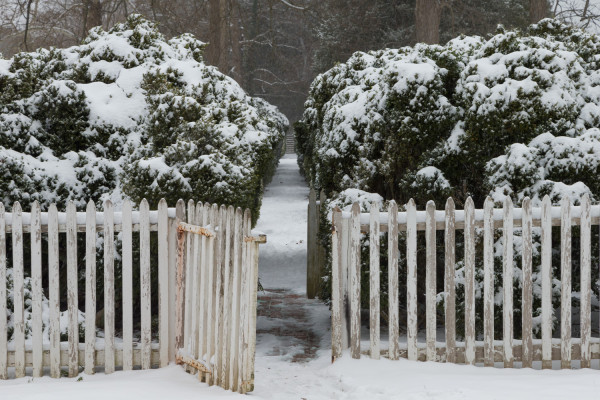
x=546 y=201
x=16 y=208
x=450 y=205
x=144 y=205
x=126 y=205
x=411 y=203
x=162 y=203
x=565 y=202
x=91 y=206
x=71 y=206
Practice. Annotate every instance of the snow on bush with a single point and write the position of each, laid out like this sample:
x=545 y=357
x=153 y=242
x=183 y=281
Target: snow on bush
x=516 y=114
x=128 y=114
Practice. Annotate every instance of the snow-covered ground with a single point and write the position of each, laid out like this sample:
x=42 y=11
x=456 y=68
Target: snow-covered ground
x=283 y=275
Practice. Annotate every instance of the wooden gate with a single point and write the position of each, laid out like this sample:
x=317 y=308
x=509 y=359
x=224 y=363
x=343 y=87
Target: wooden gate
x=217 y=281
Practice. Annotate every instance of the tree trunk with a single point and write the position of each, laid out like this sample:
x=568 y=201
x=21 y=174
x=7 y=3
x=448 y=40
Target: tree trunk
x=427 y=21
x=213 y=51
x=538 y=10
x=92 y=15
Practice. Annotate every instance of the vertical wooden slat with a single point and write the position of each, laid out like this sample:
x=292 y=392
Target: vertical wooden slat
x=197 y=268
x=244 y=309
x=470 y=281
x=203 y=269
x=90 y=288
x=345 y=283
x=181 y=279
x=527 y=286
x=393 y=312
x=355 y=282
x=336 y=290
x=227 y=298
x=565 y=286
x=488 y=282
x=145 y=283
x=430 y=288
x=449 y=287
x=72 y=300
x=507 y=283
x=3 y=298
x=218 y=296
x=176 y=284
x=546 y=283
x=221 y=290
x=253 y=309
x=374 y=280
x=212 y=281
x=109 y=288
x=586 y=281
x=54 y=293
x=234 y=377
x=18 y=290
x=312 y=278
x=411 y=279
x=36 y=288
x=163 y=283
x=127 y=266
x=189 y=274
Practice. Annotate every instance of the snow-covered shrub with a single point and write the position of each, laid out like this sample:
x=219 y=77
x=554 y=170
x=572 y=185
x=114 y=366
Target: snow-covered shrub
x=516 y=114
x=129 y=114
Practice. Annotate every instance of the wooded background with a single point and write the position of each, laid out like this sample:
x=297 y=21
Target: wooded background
x=275 y=48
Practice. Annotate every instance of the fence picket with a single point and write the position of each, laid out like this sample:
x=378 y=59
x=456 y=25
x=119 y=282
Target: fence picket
x=355 y=281
x=586 y=280
x=227 y=298
x=244 y=295
x=145 y=283
x=211 y=291
x=216 y=268
x=53 y=291
x=18 y=287
x=488 y=282
x=163 y=283
x=393 y=257
x=345 y=284
x=507 y=283
x=3 y=298
x=411 y=279
x=127 y=285
x=189 y=279
x=220 y=306
x=253 y=308
x=430 y=281
x=336 y=295
x=90 y=288
x=565 y=286
x=176 y=283
x=197 y=259
x=449 y=287
x=36 y=288
x=546 y=283
x=203 y=287
x=374 y=281
x=109 y=288
x=470 y=281
x=527 y=287
x=72 y=301
x=234 y=377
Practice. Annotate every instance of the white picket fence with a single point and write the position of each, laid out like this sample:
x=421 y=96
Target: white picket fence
x=110 y=352
x=219 y=340
x=346 y=275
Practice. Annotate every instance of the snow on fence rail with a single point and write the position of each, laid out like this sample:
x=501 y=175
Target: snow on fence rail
x=219 y=298
x=346 y=275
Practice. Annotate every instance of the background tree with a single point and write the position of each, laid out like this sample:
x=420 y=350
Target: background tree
x=427 y=21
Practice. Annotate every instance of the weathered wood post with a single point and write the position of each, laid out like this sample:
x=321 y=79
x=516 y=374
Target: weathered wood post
x=312 y=259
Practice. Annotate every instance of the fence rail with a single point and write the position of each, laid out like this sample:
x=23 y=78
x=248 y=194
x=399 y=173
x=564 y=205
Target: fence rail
x=224 y=265
x=346 y=285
